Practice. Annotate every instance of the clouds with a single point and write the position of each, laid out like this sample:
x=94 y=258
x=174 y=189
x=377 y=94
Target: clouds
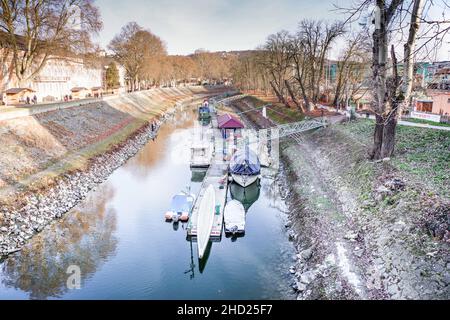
x=186 y=25
x=210 y=24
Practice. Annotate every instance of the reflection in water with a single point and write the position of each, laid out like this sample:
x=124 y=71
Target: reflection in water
x=126 y=250
x=145 y=161
x=84 y=238
x=191 y=270
x=273 y=190
x=197 y=175
x=205 y=121
x=247 y=196
x=203 y=261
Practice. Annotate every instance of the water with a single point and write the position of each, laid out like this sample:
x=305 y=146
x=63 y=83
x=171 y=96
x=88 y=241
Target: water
x=125 y=250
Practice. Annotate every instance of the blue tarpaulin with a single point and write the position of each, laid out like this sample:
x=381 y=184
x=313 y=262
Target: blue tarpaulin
x=204 y=110
x=245 y=162
x=180 y=203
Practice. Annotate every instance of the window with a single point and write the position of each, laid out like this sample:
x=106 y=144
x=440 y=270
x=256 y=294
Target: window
x=448 y=100
x=425 y=106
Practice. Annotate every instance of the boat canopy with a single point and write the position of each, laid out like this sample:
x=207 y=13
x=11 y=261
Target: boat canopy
x=203 y=109
x=180 y=203
x=245 y=162
x=227 y=121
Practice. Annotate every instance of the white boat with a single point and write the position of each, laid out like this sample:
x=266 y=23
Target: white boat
x=244 y=180
x=245 y=167
x=201 y=155
x=234 y=217
x=205 y=219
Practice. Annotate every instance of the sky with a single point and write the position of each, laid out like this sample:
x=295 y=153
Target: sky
x=215 y=25
x=218 y=25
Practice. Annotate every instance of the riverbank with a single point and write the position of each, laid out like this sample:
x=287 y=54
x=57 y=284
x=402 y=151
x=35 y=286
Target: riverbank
x=366 y=230
x=50 y=161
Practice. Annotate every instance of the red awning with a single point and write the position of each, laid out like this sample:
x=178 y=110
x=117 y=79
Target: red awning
x=227 y=121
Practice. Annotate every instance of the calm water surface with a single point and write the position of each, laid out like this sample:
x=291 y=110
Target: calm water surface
x=125 y=250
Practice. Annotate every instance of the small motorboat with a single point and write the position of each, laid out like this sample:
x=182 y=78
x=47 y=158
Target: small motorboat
x=201 y=155
x=245 y=167
x=205 y=219
x=180 y=207
x=234 y=218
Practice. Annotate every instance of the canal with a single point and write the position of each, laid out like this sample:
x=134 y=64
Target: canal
x=118 y=240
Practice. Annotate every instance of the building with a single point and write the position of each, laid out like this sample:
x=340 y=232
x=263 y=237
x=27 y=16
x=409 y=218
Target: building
x=441 y=101
x=434 y=107
x=19 y=95
x=60 y=76
x=57 y=78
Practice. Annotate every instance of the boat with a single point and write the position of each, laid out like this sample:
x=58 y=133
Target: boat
x=201 y=155
x=180 y=207
x=205 y=219
x=245 y=167
x=234 y=218
x=204 y=112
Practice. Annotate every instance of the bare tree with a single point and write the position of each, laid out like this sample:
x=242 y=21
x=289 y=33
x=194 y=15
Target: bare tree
x=248 y=74
x=351 y=68
x=275 y=57
x=392 y=20
x=39 y=30
x=302 y=70
x=316 y=38
x=308 y=51
x=135 y=47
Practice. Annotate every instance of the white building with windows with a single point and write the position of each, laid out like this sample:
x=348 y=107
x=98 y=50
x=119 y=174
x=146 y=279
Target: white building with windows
x=60 y=75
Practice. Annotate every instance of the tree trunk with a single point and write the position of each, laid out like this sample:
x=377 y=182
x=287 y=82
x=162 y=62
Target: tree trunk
x=305 y=96
x=291 y=93
x=408 y=72
x=377 y=138
x=387 y=148
x=278 y=94
x=380 y=49
x=390 y=125
x=337 y=96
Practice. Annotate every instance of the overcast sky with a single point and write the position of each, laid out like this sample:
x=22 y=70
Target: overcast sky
x=215 y=25
x=211 y=24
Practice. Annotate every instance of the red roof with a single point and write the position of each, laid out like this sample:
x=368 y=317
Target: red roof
x=227 y=121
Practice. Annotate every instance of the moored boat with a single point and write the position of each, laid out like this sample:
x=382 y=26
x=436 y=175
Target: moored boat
x=205 y=219
x=201 y=155
x=180 y=207
x=245 y=167
x=234 y=218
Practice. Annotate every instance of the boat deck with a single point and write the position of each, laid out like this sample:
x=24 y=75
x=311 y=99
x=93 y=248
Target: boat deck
x=217 y=176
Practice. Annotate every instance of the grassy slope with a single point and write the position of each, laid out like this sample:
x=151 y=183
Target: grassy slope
x=421 y=154
x=400 y=232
